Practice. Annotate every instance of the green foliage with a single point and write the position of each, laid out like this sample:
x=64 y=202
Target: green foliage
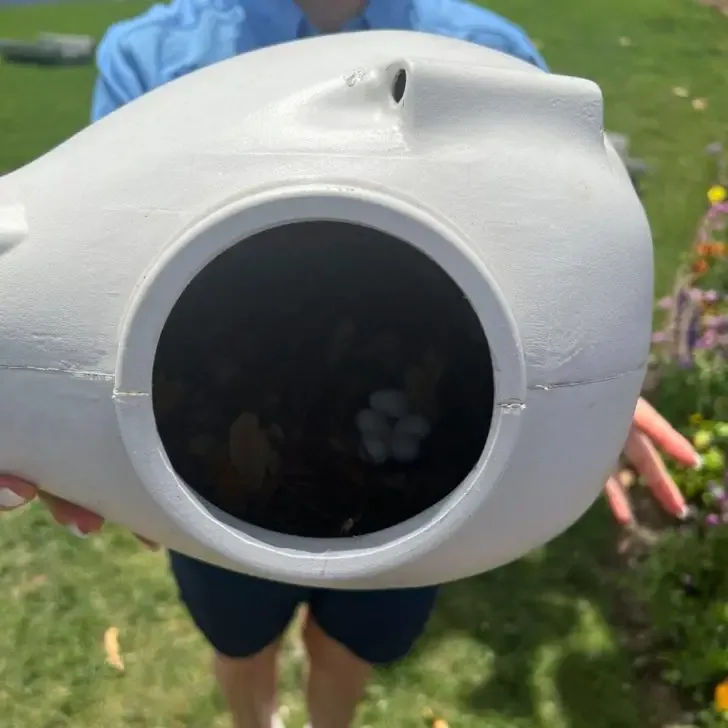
x=685 y=584
x=700 y=389
x=683 y=580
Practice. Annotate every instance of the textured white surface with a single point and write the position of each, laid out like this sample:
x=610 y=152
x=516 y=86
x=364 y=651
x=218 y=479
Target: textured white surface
x=13 y=226
x=498 y=171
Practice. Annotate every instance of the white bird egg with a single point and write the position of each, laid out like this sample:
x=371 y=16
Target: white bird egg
x=405 y=448
x=371 y=422
x=389 y=402
x=375 y=448
x=413 y=425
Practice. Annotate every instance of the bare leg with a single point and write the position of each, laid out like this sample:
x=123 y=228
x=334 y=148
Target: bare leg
x=249 y=687
x=336 y=679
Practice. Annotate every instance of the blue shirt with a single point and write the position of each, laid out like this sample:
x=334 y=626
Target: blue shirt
x=168 y=41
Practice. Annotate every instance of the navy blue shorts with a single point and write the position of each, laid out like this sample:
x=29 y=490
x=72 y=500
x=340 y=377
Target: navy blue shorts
x=240 y=615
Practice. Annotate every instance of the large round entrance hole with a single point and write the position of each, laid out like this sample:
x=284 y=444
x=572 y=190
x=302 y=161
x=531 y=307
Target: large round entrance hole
x=323 y=379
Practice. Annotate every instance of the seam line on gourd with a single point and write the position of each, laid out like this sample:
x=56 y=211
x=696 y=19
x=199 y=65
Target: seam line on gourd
x=80 y=373
x=513 y=404
x=582 y=382
x=516 y=405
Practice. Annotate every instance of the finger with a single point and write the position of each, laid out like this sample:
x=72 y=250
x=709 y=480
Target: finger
x=79 y=520
x=149 y=544
x=643 y=455
x=15 y=492
x=664 y=435
x=618 y=502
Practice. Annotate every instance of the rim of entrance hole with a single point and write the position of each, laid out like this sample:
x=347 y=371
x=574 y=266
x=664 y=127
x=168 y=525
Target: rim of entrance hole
x=291 y=556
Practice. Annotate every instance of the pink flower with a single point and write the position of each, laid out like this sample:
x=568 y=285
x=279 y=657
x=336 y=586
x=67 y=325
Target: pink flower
x=715 y=322
x=708 y=340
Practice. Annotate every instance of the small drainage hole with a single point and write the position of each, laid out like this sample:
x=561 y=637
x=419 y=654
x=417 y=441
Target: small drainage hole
x=399 y=86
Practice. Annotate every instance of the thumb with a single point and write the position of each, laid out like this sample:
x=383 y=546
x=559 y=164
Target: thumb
x=15 y=492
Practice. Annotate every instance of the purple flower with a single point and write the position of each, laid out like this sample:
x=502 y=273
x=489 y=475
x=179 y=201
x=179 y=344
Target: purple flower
x=712 y=520
x=665 y=304
x=693 y=333
x=708 y=340
x=710 y=296
x=660 y=337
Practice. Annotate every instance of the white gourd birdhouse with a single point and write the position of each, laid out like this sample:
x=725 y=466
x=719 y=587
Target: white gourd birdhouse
x=456 y=200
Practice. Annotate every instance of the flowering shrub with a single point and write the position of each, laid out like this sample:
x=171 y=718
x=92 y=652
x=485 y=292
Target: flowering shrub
x=690 y=353
x=683 y=580
x=686 y=587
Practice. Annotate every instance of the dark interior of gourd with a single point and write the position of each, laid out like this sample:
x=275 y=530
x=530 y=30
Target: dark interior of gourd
x=323 y=379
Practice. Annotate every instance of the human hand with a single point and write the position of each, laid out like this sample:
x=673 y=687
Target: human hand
x=649 y=434
x=15 y=492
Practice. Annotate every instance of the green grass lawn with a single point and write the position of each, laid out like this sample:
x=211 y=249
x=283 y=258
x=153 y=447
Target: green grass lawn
x=530 y=646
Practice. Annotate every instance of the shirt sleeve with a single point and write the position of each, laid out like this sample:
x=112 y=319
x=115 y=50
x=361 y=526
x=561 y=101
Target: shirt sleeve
x=163 y=43
x=119 y=79
x=516 y=43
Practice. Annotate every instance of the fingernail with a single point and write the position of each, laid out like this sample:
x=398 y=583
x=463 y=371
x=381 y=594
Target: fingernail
x=10 y=499
x=76 y=531
x=698 y=462
x=684 y=513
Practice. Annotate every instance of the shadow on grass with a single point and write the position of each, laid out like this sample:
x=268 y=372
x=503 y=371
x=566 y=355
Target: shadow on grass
x=534 y=642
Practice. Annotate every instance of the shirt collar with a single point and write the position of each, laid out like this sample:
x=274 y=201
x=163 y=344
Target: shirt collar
x=285 y=19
